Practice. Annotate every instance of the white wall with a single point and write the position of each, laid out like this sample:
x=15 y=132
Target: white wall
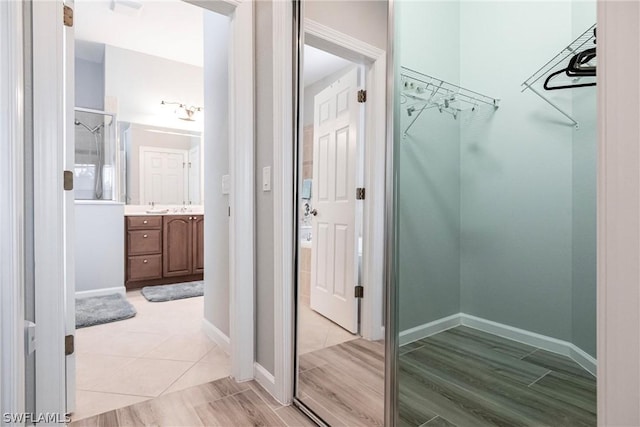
x=264 y=200
x=89 y=84
x=363 y=19
x=137 y=83
x=99 y=247
x=216 y=164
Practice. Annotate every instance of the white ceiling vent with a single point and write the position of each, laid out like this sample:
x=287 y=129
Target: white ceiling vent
x=126 y=7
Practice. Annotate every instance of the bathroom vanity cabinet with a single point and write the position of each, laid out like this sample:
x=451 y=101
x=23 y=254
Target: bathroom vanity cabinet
x=182 y=245
x=163 y=249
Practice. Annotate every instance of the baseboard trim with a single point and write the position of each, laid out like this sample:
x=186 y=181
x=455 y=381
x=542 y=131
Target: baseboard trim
x=264 y=378
x=584 y=359
x=216 y=336
x=101 y=292
x=428 y=329
x=534 y=339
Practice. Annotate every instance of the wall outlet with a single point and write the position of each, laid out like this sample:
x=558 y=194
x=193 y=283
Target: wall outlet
x=266 y=178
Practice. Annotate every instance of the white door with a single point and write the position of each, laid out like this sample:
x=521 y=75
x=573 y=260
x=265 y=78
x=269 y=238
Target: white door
x=163 y=177
x=334 y=251
x=194 y=176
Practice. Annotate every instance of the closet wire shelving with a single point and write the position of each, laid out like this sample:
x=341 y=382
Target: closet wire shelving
x=423 y=92
x=585 y=40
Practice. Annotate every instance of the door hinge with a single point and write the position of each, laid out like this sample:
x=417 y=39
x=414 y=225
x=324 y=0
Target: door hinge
x=30 y=336
x=362 y=95
x=67 y=16
x=67 y=181
x=359 y=291
x=69 y=345
x=360 y=193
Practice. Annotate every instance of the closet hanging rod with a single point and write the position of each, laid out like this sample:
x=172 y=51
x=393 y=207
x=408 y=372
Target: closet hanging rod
x=586 y=39
x=427 y=92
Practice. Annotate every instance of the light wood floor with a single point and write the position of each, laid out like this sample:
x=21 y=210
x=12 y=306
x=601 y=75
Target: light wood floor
x=222 y=403
x=344 y=384
x=461 y=377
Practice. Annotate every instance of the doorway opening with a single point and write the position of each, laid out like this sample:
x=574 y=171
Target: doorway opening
x=333 y=321
x=147 y=301
x=330 y=217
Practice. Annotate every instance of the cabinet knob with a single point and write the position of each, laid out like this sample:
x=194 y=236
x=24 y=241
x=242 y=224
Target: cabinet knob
x=145 y=261
x=145 y=222
x=145 y=236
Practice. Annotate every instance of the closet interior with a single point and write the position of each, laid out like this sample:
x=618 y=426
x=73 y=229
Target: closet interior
x=495 y=212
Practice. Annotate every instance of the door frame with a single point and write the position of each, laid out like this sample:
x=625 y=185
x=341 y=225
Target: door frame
x=48 y=91
x=284 y=154
x=12 y=283
x=618 y=215
x=146 y=148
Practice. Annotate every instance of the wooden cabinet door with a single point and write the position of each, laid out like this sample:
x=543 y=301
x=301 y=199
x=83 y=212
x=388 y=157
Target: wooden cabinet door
x=198 y=244
x=177 y=245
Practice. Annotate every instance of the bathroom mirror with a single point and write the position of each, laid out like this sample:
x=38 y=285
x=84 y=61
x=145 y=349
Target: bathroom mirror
x=162 y=166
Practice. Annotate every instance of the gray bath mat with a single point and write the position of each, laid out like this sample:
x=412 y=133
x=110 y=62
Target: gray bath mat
x=172 y=292
x=104 y=309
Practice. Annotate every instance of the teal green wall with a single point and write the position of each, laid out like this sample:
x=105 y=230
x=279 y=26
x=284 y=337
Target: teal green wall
x=504 y=228
x=429 y=173
x=516 y=186
x=584 y=200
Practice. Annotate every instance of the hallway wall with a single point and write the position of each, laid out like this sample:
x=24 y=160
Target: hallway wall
x=216 y=159
x=366 y=20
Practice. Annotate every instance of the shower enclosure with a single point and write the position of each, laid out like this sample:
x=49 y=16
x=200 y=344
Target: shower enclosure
x=494 y=214
x=97 y=156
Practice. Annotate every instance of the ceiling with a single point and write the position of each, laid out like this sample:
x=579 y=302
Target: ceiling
x=170 y=29
x=319 y=64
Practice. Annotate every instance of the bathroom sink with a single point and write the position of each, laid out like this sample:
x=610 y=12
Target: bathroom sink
x=157 y=211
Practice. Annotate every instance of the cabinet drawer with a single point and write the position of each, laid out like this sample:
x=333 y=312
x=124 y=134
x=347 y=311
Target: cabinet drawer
x=144 y=267
x=143 y=222
x=145 y=242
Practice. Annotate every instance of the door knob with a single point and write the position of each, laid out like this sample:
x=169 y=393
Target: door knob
x=314 y=212
x=145 y=236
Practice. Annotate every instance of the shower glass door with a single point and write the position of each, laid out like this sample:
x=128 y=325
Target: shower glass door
x=495 y=213
x=97 y=156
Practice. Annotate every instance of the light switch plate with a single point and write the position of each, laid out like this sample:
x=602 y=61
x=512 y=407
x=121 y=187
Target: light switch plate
x=266 y=178
x=226 y=184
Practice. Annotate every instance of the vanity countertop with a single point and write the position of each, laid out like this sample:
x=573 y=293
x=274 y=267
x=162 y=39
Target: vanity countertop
x=142 y=210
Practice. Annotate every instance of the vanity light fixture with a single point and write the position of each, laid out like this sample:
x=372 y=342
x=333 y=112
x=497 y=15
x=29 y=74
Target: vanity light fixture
x=183 y=111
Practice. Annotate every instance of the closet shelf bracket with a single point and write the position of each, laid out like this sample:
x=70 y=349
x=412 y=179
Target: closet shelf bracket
x=553 y=104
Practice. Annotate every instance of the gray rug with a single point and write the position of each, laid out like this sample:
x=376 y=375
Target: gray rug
x=172 y=292
x=104 y=309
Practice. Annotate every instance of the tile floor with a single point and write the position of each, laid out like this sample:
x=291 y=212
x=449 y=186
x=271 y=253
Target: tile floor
x=160 y=350
x=317 y=332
